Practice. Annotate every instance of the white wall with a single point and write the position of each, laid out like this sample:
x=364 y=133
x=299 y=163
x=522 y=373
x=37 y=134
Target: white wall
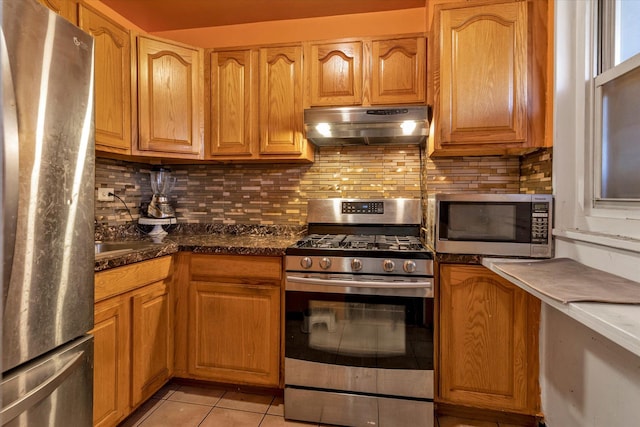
x=586 y=380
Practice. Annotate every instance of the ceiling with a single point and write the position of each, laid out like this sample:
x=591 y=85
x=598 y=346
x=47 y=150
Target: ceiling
x=166 y=15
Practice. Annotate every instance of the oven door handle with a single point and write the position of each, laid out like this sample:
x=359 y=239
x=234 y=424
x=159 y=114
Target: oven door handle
x=422 y=288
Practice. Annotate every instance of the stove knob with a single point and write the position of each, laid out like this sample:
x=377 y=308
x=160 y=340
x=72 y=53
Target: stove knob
x=356 y=264
x=409 y=266
x=388 y=265
x=306 y=262
x=325 y=263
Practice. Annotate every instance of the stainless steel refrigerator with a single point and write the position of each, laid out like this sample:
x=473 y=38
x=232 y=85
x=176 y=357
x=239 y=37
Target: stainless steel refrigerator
x=47 y=217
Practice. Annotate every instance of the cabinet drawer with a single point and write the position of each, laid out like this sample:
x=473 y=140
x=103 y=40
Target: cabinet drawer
x=123 y=279
x=205 y=267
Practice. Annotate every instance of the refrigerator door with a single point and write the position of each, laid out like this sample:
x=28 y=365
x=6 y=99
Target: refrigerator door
x=48 y=299
x=55 y=390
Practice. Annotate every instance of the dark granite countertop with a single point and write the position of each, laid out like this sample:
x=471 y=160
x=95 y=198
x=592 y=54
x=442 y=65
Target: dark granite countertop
x=235 y=244
x=458 y=258
x=228 y=244
x=118 y=259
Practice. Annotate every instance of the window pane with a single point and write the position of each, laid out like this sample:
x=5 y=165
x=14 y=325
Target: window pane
x=627 y=30
x=621 y=137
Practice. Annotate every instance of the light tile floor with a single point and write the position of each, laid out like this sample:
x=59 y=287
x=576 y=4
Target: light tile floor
x=180 y=405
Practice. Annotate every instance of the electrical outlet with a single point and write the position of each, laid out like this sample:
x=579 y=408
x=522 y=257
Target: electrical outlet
x=103 y=195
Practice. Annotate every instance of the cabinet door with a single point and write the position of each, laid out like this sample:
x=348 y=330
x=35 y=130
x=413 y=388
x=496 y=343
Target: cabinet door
x=281 y=103
x=65 y=8
x=485 y=357
x=111 y=361
x=398 y=73
x=112 y=81
x=151 y=341
x=334 y=73
x=483 y=74
x=234 y=93
x=234 y=332
x=170 y=99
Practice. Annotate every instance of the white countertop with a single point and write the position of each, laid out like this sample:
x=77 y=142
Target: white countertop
x=618 y=322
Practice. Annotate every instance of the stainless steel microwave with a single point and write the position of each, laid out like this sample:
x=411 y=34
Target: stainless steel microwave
x=494 y=224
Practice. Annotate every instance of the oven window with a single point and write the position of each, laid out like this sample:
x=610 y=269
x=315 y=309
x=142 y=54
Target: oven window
x=360 y=330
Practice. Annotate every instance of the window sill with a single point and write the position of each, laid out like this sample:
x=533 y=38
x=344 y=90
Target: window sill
x=602 y=239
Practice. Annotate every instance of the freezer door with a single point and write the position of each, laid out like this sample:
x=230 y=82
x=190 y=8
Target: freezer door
x=55 y=390
x=48 y=297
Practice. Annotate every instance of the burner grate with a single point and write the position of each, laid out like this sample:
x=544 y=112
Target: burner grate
x=366 y=242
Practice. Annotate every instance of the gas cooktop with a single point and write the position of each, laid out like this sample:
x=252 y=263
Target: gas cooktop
x=371 y=242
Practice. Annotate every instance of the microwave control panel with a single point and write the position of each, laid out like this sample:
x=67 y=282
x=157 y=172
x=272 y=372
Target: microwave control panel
x=540 y=223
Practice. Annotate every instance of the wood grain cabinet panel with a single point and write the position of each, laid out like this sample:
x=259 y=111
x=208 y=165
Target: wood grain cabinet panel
x=233 y=83
x=112 y=81
x=236 y=332
x=254 y=107
x=65 y=8
x=489 y=79
x=170 y=100
x=111 y=365
x=133 y=337
x=488 y=347
x=281 y=103
x=366 y=72
x=398 y=71
x=334 y=73
x=151 y=341
x=228 y=326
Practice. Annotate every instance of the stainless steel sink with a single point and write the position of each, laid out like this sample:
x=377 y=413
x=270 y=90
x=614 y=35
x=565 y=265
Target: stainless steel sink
x=107 y=249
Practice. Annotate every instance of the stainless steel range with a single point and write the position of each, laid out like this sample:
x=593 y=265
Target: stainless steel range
x=359 y=316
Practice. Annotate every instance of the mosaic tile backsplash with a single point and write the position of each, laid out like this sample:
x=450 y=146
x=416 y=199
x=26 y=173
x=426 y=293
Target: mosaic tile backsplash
x=276 y=194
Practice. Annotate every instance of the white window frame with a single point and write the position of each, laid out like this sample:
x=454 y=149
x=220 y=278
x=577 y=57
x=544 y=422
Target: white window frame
x=612 y=72
x=576 y=166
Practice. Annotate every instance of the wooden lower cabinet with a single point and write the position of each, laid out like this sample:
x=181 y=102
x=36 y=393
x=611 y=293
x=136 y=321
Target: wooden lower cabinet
x=235 y=332
x=228 y=325
x=133 y=337
x=111 y=361
x=151 y=341
x=488 y=341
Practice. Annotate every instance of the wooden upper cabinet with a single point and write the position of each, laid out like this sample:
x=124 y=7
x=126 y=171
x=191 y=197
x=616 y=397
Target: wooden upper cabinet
x=112 y=81
x=281 y=103
x=334 y=73
x=170 y=100
x=366 y=71
x=488 y=352
x=488 y=83
x=233 y=78
x=398 y=71
x=65 y=8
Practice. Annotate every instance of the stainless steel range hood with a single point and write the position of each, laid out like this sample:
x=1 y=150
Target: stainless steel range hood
x=378 y=125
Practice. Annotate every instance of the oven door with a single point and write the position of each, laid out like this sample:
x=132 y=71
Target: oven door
x=358 y=333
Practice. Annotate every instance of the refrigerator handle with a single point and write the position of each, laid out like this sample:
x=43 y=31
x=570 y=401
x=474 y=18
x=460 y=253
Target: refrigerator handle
x=10 y=164
x=42 y=390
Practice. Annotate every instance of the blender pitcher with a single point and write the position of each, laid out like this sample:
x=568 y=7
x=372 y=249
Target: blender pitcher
x=161 y=183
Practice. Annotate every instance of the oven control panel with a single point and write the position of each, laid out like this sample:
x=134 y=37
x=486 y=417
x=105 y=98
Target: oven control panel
x=363 y=207
x=360 y=265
